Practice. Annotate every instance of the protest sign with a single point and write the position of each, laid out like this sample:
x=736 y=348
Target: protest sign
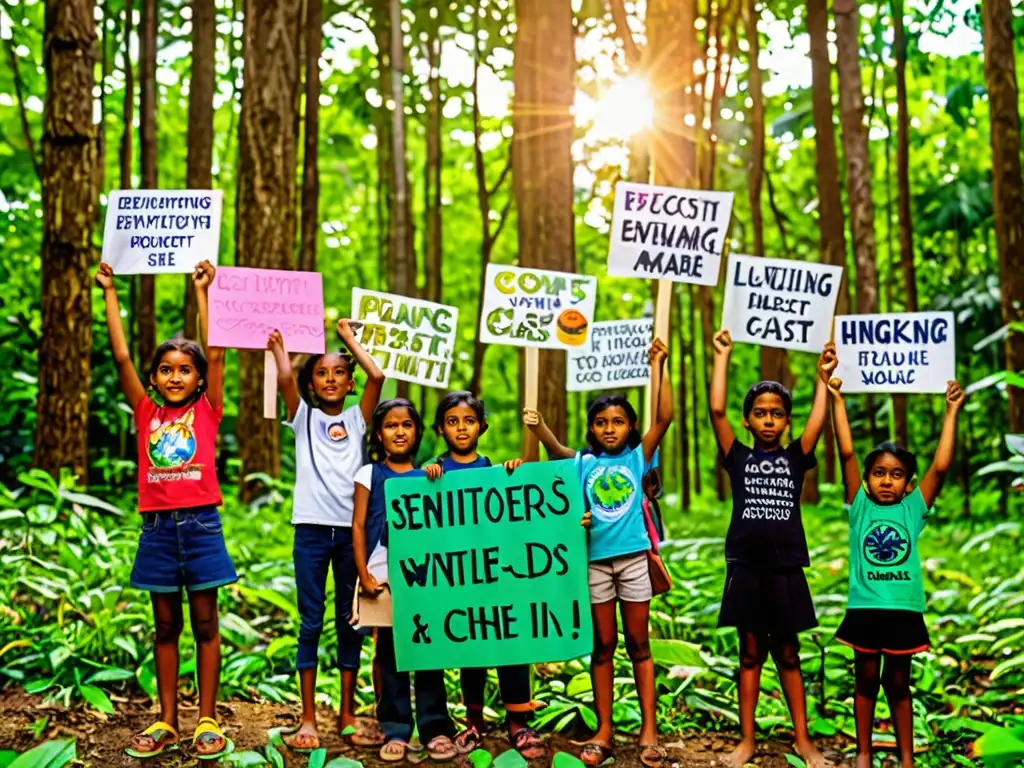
x=151 y=231
x=617 y=358
x=898 y=352
x=488 y=569
x=247 y=304
x=537 y=308
x=411 y=340
x=779 y=302
x=664 y=233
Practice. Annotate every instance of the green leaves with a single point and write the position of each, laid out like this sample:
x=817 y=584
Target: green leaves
x=52 y=754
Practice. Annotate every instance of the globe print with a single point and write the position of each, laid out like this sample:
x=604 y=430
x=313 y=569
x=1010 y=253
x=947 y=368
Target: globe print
x=174 y=443
x=887 y=544
x=611 y=491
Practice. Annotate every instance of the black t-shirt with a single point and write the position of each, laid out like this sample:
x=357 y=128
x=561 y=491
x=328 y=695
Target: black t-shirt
x=767 y=529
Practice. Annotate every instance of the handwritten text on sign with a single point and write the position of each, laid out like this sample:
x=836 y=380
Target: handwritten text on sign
x=618 y=357
x=665 y=233
x=157 y=231
x=780 y=303
x=247 y=304
x=410 y=339
x=910 y=352
x=487 y=568
x=537 y=308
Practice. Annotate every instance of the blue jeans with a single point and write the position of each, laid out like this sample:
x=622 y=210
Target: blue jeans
x=183 y=548
x=394 y=703
x=317 y=549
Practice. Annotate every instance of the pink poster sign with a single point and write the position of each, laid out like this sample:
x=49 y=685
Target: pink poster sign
x=247 y=304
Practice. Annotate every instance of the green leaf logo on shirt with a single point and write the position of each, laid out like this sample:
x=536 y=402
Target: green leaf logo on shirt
x=887 y=545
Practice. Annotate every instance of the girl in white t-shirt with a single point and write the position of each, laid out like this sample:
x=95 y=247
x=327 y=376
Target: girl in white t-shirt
x=328 y=453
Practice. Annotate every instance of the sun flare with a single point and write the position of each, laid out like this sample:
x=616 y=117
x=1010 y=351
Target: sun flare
x=625 y=109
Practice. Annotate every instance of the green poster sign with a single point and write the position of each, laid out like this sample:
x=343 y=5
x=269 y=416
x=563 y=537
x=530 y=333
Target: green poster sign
x=487 y=568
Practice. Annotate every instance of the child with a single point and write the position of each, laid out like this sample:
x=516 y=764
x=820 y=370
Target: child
x=885 y=609
x=461 y=420
x=328 y=453
x=181 y=544
x=766 y=594
x=394 y=438
x=611 y=476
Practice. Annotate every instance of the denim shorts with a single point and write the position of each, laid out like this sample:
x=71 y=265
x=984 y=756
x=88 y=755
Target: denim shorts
x=183 y=548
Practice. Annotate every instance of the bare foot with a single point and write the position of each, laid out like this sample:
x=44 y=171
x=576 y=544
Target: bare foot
x=863 y=761
x=811 y=755
x=304 y=738
x=740 y=756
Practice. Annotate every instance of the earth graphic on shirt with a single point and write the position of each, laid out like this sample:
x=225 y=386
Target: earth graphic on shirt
x=173 y=443
x=887 y=544
x=611 y=491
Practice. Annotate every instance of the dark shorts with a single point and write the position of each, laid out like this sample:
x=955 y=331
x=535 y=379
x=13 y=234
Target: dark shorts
x=874 y=630
x=767 y=601
x=184 y=548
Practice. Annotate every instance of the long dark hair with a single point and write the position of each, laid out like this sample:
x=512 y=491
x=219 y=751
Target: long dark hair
x=453 y=399
x=610 y=401
x=903 y=456
x=186 y=347
x=307 y=369
x=374 y=447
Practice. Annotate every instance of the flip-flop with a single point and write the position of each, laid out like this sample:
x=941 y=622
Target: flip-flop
x=155 y=732
x=652 y=755
x=441 y=749
x=279 y=736
x=527 y=742
x=598 y=753
x=468 y=740
x=205 y=729
x=393 y=751
x=365 y=734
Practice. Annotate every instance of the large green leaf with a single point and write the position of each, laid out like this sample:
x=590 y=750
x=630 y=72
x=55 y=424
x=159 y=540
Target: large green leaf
x=52 y=754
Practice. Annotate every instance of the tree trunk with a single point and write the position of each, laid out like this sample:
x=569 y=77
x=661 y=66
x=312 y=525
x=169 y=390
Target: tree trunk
x=682 y=434
x=382 y=123
x=691 y=324
x=101 y=134
x=1007 y=189
x=69 y=198
x=311 y=137
x=544 y=72
x=200 y=123
x=148 y=165
x=266 y=190
x=128 y=109
x=433 y=248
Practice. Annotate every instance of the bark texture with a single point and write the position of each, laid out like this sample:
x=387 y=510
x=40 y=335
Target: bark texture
x=148 y=165
x=311 y=139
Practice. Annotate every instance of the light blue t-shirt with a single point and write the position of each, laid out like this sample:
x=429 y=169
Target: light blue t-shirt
x=613 y=487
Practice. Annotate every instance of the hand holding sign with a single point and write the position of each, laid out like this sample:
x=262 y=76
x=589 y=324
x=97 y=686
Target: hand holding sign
x=828 y=362
x=105 y=277
x=955 y=397
x=723 y=343
x=203 y=275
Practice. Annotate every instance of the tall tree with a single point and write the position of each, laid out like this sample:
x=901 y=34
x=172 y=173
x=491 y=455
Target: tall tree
x=400 y=238
x=146 y=312
x=1007 y=187
x=200 y=122
x=544 y=72
x=69 y=198
x=266 y=189
x=433 y=233
x=128 y=108
x=311 y=139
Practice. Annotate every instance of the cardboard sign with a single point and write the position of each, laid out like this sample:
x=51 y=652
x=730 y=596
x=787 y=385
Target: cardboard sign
x=411 y=340
x=152 y=231
x=899 y=352
x=779 y=302
x=488 y=569
x=618 y=357
x=664 y=233
x=537 y=308
x=246 y=304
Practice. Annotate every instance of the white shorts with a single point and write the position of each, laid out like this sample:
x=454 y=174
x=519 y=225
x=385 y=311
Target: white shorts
x=627 y=578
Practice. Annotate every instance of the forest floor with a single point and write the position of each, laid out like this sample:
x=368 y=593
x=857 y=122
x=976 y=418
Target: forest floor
x=25 y=720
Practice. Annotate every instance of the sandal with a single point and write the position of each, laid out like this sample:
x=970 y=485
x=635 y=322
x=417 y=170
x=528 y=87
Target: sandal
x=441 y=748
x=366 y=733
x=652 y=755
x=209 y=733
x=595 y=753
x=288 y=738
x=468 y=740
x=163 y=736
x=393 y=751
x=527 y=742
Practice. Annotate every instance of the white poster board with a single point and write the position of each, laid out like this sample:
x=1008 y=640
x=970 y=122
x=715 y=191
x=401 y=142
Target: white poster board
x=664 y=233
x=411 y=340
x=898 y=352
x=537 y=308
x=780 y=302
x=617 y=358
x=155 y=231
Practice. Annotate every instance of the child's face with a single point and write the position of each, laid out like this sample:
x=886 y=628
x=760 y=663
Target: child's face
x=397 y=433
x=611 y=427
x=461 y=429
x=176 y=377
x=767 y=420
x=332 y=380
x=887 y=479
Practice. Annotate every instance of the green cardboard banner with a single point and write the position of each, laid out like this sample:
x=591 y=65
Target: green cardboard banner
x=488 y=569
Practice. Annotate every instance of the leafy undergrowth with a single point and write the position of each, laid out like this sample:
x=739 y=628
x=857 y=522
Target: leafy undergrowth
x=71 y=630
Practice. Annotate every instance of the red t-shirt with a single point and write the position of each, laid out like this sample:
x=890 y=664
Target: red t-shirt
x=177 y=455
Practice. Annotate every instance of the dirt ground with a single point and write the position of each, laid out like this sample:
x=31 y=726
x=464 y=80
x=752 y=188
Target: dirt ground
x=101 y=738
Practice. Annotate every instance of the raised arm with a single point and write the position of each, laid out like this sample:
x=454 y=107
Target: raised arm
x=203 y=278
x=285 y=377
x=719 y=387
x=534 y=420
x=126 y=373
x=827 y=363
x=664 y=403
x=932 y=482
x=844 y=440
x=374 y=375
x=359 y=510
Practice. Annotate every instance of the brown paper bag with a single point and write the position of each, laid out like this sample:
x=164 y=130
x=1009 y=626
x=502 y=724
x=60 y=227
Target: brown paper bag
x=370 y=611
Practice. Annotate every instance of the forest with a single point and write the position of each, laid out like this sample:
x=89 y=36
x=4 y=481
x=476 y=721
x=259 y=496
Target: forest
x=404 y=146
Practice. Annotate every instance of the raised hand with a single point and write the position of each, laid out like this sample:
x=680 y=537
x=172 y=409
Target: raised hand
x=347 y=329
x=955 y=396
x=828 y=362
x=658 y=352
x=723 y=342
x=835 y=387
x=275 y=342
x=204 y=274
x=532 y=418
x=105 y=277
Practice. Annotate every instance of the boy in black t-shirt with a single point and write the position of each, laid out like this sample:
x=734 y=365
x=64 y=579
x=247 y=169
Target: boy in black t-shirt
x=766 y=594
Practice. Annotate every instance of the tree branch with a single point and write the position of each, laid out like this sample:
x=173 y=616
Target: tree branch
x=501 y=220
x=633 y=53
x=504 y=172
x=22 y=111
x=776 y=213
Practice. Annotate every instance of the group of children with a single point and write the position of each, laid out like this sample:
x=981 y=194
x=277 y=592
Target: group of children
x=345 y=455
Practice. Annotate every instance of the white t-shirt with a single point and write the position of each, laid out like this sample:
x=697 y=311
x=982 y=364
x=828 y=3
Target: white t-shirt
x=376 y=561
x=324 y=490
